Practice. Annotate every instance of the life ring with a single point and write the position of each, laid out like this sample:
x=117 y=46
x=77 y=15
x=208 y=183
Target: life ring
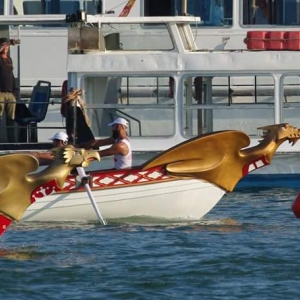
x=64 y=93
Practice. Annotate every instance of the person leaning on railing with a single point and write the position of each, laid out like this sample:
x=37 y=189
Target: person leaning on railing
x=8 y=89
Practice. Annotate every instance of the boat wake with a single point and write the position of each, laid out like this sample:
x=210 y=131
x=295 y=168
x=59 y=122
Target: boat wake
x=133 y=223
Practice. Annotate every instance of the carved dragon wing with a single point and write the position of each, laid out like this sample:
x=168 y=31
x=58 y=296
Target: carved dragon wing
x=222 y=157
x=14 y=170
x=202 y=153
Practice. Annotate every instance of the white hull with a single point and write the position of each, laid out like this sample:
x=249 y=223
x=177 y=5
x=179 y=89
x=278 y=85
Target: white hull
x=183 y=199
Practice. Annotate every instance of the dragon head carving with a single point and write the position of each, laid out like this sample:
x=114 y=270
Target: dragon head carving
x=74 y=157
x=280 y=133
x=18 y=183
x=224 y=157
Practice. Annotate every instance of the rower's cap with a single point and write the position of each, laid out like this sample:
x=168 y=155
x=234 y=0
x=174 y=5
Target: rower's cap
x=119 y=121
x=61 y=136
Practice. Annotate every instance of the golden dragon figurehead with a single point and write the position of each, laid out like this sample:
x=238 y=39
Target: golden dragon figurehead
x=18 y=183
x=222 y=157
x=74 y=157
x=280 y=133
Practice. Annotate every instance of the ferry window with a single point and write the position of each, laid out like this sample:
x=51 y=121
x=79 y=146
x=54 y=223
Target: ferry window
x=291 y=107
x=292 y=89
x=34 y=7
x=213 y=103
x=145 y=37
x=158 y=8
x=146 y=102
x=212 y=12
x=120 y=37
x=14 y=9
x=275 y=12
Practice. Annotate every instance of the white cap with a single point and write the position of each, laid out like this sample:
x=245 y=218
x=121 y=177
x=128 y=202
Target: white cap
x=120 y=121
x=62 y=136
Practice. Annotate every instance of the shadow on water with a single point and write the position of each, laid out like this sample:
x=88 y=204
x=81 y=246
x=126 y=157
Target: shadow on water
x=134 y=223
x=22 y=253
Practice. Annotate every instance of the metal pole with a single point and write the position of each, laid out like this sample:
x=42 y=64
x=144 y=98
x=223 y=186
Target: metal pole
x=184 y=7
x=19 y=62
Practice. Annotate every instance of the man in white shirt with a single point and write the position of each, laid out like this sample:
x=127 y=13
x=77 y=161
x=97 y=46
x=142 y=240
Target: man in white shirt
x=121 y=148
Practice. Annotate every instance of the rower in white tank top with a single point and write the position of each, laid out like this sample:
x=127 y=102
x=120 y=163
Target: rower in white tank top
x=123 y=161
x=120 y=149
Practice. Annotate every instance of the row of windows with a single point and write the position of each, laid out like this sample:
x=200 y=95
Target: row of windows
x=36 y=7
x=212 y=12
x=209 y=103
x=220 y=12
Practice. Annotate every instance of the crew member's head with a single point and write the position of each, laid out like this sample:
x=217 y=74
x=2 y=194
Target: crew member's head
x=118 y=126
x=4 y=45
x=59 y=139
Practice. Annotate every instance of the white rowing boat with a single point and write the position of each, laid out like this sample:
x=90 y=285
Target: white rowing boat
x=182 y=183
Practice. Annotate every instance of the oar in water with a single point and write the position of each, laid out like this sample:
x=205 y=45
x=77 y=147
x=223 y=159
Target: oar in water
x=83 y=177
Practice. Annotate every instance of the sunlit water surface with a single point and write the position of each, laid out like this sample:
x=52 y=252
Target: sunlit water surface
x=247 y=247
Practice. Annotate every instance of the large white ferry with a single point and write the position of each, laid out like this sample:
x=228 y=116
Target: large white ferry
x=43 y=54
x=173 y=78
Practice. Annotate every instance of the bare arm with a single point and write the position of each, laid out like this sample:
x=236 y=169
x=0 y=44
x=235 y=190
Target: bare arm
x=117 y=148
x=44 y=158
x=104 y=142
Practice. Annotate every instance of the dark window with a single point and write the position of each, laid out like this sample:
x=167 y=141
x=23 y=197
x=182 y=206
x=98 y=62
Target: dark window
x=159 y=8
x=277 y=12
x=205 y=9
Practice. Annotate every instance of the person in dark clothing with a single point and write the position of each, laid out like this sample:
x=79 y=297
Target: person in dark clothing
x=8 y=89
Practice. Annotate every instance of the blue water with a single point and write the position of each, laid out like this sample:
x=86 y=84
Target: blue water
x=248 y=247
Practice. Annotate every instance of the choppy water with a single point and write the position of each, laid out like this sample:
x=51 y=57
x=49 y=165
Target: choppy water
x=248 y=247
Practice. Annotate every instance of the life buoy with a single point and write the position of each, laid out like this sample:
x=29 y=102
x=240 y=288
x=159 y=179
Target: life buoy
x=64 y=93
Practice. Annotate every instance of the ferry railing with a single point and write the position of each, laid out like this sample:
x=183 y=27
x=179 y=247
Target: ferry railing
x=119 y=113
x=156 y=90
x=31 y=129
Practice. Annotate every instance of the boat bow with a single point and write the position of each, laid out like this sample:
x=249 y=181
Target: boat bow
x=222 y=157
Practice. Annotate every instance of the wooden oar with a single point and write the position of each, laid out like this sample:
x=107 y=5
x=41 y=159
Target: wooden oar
x=83 y=177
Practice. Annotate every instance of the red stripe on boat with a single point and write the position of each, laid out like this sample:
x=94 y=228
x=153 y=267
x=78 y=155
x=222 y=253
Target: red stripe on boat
x=255 y=164
x=117 y=178
x=44 y=190
x=4 y=223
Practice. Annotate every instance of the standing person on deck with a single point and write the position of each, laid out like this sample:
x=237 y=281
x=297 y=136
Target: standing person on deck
x=8 y=89
x=261 y=14
x=218 y=14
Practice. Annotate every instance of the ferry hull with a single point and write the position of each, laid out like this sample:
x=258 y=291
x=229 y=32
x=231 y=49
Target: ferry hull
x=179 y=200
